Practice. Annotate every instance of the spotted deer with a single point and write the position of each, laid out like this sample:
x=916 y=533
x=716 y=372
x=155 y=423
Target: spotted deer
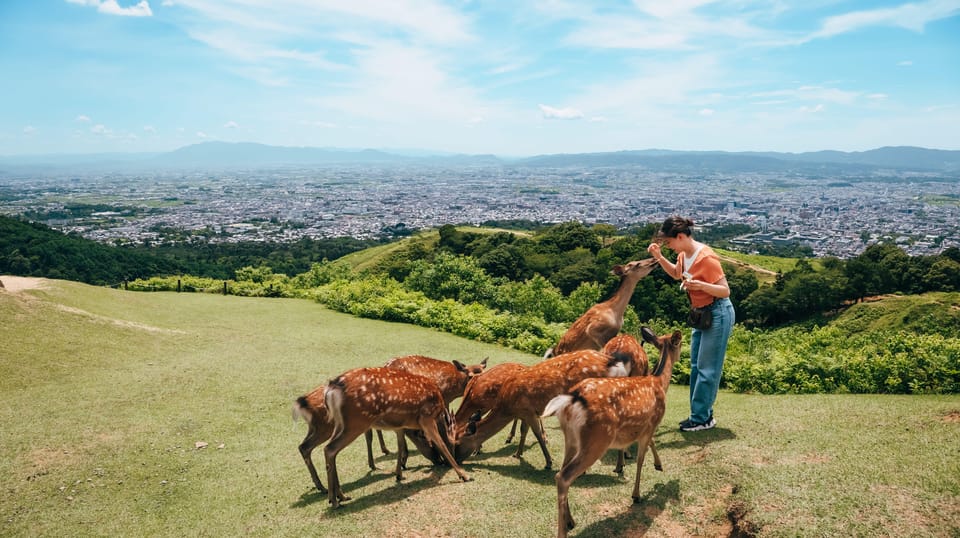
x=312 y=408
x=385 y=399
x=603 y=320
x=483 y=391
x=451 y=378
x=597 y=414
x=527 y=393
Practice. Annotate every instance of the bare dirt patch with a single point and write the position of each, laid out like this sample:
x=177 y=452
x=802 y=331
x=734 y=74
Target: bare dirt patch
x=952 y=417
x=17 y=284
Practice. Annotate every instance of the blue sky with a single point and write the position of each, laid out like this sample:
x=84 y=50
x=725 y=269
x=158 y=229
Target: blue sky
x=505 y=77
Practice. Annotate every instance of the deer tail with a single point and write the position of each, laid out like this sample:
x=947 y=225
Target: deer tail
x=557 y=405
x=333 y=399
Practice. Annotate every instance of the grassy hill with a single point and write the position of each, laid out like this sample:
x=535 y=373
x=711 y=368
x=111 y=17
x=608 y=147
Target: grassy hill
x=106 y=394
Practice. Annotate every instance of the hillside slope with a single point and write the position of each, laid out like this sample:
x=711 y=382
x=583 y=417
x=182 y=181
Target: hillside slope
x=165 y=414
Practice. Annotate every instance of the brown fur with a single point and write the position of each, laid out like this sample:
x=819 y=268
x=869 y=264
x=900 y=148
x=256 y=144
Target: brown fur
x=598 y=414
x=385 y=399
x=603 y=320
x=450 y=376
x=525 y=395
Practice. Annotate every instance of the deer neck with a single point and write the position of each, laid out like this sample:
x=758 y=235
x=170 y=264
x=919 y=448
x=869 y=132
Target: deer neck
x=664 y=369
x=621 y=298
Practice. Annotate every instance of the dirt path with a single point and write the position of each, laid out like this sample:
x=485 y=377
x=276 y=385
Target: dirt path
x=16 y=284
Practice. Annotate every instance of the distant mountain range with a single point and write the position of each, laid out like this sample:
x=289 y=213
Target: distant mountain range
x=246 y=155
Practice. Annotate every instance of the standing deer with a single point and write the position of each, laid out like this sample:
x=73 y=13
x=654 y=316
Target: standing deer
x=527 y=393
x=312 y=408
x=385 y=399
x=451 y=378
x=597 y=414
x=603 y=320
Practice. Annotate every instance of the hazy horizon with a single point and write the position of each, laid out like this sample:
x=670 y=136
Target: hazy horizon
x=509 y=79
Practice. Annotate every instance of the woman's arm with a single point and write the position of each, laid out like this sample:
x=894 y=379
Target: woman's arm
x=669 y=268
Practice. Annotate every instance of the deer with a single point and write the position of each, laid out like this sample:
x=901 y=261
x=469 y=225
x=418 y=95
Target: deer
x=386 y=399
x=598 y=414
x=450 y=376
x=527 y=393
x=603 y=321
x=483 y=391
x=313 y=409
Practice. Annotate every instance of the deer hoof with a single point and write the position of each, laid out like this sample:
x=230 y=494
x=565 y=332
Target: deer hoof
x=658 y=467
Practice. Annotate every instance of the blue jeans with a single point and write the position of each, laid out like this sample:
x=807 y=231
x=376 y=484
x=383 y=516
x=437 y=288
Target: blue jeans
x=707 y=350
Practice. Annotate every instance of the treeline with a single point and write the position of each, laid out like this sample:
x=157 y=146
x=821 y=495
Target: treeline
x=33 y=249
x=512 y=290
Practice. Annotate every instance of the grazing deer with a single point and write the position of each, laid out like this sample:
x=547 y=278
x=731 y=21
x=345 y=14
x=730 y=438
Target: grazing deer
x=483 y=391
x=385 y=399
x=525 y=396
x=450 y=376
x=597 y=414
x=312 y=408
x=603 y=320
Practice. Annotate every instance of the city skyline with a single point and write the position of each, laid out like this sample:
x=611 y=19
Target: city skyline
x=93 y=76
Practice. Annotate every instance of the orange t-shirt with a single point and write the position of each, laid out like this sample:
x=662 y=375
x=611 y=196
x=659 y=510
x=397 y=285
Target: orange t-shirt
x=706 y=268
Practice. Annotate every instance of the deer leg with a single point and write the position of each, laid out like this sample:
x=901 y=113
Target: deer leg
x=621 y=456
x=644 y=442
x=656 y=457
x=429 y=428
x=383 y=446
x=513 y=431
x=338 y=443
x=310 y=442
x=401 y=455
x=577 y=465
x=537 y=428
x=368 y=437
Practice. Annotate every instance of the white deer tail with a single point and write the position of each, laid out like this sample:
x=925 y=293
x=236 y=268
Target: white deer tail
x=556 y=405
x=333 y=399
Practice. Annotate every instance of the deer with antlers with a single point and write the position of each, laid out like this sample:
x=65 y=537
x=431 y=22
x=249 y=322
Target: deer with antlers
x=385 y=399
x=451 y=378
x=527 y=393
x=597 y=414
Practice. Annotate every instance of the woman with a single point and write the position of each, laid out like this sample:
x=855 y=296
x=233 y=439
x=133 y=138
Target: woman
x=706 y=285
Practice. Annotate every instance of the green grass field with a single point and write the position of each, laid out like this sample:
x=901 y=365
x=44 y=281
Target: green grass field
x=106 y=393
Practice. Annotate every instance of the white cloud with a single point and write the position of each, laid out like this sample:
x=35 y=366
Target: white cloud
x=231 y=125
x=552 y=113
x=911 y=16
x=29 y=130
x=201 y=134
x=101 y=130
x=706 y=112
x=812 y=109
x=111 y=7
x=905 y=63
x=149 y=129
x=83 y=118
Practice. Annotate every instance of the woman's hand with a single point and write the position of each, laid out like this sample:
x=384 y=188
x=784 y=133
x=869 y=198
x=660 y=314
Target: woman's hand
x=654 y=250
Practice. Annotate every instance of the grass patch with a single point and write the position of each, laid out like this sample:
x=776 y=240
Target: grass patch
x=106 y=393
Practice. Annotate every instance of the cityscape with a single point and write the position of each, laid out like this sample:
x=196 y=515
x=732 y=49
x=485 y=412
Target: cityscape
x=834 y=216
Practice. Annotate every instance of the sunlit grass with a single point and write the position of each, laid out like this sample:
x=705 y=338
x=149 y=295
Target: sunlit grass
x=106 y=393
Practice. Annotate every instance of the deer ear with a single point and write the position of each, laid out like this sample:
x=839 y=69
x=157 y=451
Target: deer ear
x=484 y=362
x=476 y=416
x=649 y=336
x=460 y=366
x=617 y=270
x=675 y=339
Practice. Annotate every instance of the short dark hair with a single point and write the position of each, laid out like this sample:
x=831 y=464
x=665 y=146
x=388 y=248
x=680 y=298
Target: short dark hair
x=674 y=226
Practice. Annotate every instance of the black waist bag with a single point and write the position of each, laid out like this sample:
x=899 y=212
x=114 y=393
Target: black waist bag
x=700 y=318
